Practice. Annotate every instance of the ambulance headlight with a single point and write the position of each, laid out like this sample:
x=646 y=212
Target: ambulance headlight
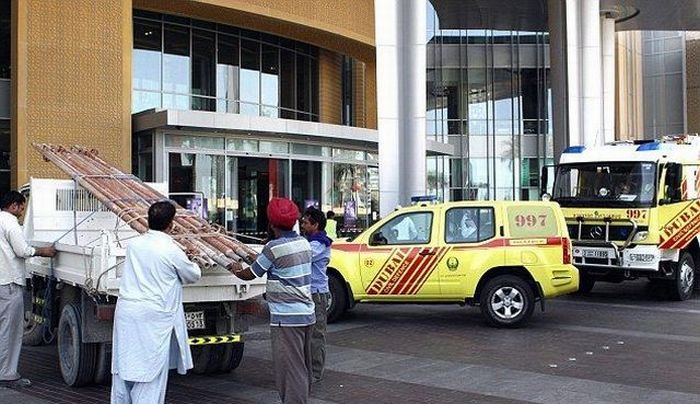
x=640 y=236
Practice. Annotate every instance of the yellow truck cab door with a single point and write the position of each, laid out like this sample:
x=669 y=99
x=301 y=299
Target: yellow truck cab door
x=469 y=235
x=398 y=260
x=679 y=206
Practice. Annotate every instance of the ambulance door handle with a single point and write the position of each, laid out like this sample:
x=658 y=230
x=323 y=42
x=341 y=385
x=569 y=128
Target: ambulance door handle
x=426 y=252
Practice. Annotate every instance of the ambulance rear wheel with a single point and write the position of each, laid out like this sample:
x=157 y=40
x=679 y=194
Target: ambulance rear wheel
x=338 y=299
x=682 y=285
x=507 y=301
x=77 y=359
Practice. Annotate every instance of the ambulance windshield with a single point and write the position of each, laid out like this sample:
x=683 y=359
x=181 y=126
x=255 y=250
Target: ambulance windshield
x=614 y=184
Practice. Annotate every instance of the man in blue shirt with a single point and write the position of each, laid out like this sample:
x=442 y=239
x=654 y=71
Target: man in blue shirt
x=313 y=224
x=286 y=260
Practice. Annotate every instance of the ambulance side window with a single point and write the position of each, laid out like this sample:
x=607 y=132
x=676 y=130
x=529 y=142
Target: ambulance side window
x=469 y=225
x=409 y=228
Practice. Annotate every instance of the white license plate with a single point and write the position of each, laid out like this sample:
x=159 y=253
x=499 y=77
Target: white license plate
x=604 y=254
x=195 y=320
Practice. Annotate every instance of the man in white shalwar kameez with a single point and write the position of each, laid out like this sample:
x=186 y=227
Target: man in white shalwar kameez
x=150 y=333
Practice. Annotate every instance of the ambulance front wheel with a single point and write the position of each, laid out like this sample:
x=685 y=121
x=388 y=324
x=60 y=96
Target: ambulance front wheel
x=507 y=301
x=338 y=299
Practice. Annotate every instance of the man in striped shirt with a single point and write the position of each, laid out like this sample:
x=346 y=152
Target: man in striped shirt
x=287 y=262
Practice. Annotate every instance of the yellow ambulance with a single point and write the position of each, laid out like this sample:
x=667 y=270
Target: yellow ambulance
x=503 y=256
x=633 y=210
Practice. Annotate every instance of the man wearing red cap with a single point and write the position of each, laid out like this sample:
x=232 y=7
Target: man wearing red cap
x=286 y=260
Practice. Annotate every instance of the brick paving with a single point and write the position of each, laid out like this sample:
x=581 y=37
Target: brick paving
x=626 y=346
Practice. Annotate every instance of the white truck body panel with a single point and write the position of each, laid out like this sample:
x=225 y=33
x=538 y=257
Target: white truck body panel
x=92 y=256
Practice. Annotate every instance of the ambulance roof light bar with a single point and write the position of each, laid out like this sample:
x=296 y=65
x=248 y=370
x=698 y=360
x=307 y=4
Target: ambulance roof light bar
x=423 y=198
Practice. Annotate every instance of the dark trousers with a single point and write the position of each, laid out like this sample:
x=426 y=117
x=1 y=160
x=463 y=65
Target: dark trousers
x=318 y=337
x=291 y=358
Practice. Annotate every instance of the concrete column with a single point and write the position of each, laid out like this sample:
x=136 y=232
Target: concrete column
x=573 y=71
x=591 y=73
x=556 y=17
x=608 y=52
x=401 y=63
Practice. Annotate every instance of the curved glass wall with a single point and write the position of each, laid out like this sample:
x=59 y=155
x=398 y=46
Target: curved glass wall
x=181 y=63
x=489 y=95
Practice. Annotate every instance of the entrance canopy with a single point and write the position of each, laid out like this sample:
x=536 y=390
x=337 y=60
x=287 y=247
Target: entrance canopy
x=263 y=127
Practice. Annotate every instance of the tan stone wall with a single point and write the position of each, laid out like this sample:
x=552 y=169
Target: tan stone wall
x=330 y=87
x=629 y=119
x=692 y=54
x=71 y=63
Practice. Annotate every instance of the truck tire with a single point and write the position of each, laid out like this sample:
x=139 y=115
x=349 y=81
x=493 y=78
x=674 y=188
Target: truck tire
x=77 y=359
x=338 y=299
x=684 y=277
x=203 y=359
x=103 y=364
x=231 y=357
x=507 y=301
x=33 y=330
x=585 y=283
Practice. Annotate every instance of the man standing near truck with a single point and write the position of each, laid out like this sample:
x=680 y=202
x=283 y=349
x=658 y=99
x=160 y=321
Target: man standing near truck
x=150 y=332
x=287 y=261
x=13 y=250
x=313 y=224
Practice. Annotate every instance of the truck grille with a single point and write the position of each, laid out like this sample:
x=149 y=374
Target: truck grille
x=597 y=232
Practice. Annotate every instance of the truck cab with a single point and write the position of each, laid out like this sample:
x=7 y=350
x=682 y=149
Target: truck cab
x=502 y=256
x=632 y=210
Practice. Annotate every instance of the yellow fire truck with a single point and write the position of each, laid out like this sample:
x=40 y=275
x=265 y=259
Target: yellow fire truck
x=633 y=210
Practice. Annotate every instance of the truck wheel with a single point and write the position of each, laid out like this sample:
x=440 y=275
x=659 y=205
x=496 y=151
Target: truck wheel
x=585 y=283
x=103 y=365
x=76 y=358
x=507 y=301
x=682 y=285
x=231 y=358
x=33 y=330
x=202 y=358
x=338 y=299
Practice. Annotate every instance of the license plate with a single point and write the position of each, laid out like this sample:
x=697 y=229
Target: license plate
x=195 y=320
x=604 y=254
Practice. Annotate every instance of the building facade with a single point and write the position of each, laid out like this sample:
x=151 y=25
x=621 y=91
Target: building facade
x=488 y=95
x=231 y=102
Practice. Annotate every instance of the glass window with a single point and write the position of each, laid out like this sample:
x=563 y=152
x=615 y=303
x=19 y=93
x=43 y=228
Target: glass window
x=203 y=68
x=287 y=84
x=469 y=225
x=244 y=145
x=343 y=154
x=270 y=81
x=274 y=147
x=146 y=68
x=303 y=87
x=176 y=60
x=5 y=38
x=409 y=228
x=250 y=78
x=194 y=142
x=308 y=149
x=227 y=74
x=347 y=91
x=306 y=184
x=202 y=177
